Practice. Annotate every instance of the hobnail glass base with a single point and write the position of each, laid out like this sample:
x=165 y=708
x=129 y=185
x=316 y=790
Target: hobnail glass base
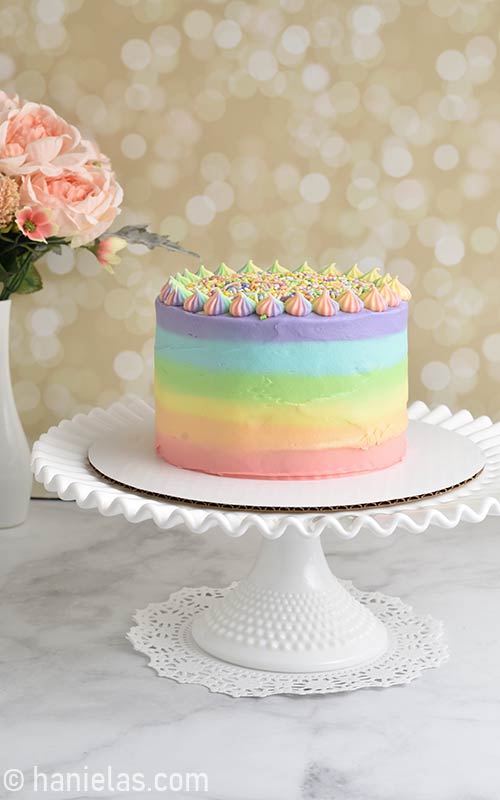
x=290 y=615
x=163 y=633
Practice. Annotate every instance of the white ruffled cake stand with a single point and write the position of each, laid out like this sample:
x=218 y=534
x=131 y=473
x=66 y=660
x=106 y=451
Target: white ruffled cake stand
x=290 y=626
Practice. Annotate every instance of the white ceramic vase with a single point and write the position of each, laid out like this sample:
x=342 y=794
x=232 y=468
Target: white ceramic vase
x=15 y=472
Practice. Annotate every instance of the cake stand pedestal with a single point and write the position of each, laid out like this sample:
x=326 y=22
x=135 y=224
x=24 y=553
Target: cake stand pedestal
x=290 y=614
x=290 y=625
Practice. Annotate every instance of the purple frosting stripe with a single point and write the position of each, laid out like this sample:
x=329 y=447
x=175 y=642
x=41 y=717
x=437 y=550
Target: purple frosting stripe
x=284 y=328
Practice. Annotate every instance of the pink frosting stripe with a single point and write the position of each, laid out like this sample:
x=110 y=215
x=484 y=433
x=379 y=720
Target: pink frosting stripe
x=279 y=465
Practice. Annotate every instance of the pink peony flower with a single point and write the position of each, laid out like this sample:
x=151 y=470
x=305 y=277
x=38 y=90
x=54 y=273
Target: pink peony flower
x=33 y=138
x=36 y=223
x=8 y=103
x=106 y=251
x=84 y=202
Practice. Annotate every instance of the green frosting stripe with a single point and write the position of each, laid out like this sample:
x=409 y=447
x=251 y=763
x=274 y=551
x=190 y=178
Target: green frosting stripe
x=278 y=388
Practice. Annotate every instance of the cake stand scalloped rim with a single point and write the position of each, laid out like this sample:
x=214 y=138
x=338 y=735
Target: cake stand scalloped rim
x=59 y=461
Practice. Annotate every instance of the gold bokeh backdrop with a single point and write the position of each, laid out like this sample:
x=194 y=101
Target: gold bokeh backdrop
x=301 y=129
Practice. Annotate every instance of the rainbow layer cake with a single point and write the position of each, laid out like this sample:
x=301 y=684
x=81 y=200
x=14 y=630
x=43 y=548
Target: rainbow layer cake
x=281 y=374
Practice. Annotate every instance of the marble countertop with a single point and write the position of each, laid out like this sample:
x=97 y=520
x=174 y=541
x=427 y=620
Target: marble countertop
x=75 y=696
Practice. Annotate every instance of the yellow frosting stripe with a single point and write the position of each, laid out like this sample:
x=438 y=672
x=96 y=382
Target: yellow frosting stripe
x=254 y=435
x=390 y=400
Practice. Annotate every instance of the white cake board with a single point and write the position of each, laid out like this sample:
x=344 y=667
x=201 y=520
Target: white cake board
x=437 y=460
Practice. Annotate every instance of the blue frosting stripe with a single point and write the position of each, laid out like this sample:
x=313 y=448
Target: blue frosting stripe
x=343 y=357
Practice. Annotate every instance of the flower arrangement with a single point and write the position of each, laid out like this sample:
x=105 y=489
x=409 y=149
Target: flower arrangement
x=56 y=189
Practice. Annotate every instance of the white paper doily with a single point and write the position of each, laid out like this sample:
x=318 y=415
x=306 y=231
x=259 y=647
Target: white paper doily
x=163 y=634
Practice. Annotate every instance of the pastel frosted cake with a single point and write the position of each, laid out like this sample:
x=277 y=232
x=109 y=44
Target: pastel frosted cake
x=279 y=374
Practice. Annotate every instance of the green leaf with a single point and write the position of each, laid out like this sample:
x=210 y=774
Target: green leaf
x=32 y=281
x=8 y=262
x=4 y=275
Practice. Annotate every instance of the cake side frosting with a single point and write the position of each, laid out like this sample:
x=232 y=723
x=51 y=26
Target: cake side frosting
x=292 y=394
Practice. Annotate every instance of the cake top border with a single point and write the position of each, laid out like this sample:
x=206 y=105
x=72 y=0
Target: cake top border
x=269 y=293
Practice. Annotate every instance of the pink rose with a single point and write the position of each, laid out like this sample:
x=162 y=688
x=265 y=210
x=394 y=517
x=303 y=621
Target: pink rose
x=33 y=138
x=84 y=202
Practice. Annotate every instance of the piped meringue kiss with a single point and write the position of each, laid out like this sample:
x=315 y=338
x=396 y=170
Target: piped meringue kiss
x=350 y=303
x=269 y=306
x=180 y=278
x=353 y=273
x=386 y=278
x=305 y=268
x=216 y=304
x=277 y=269
x=400 y=289
x=250 y=269
x=165 y=290
x=297 y=305
x=195 y=302
x=241 y=305
x=177 y=295
x=372 y=276
x=374 y=301
x=223 y=271
x=324 y=305
x=391 y=298
x=191 y=277
x=331 y=271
